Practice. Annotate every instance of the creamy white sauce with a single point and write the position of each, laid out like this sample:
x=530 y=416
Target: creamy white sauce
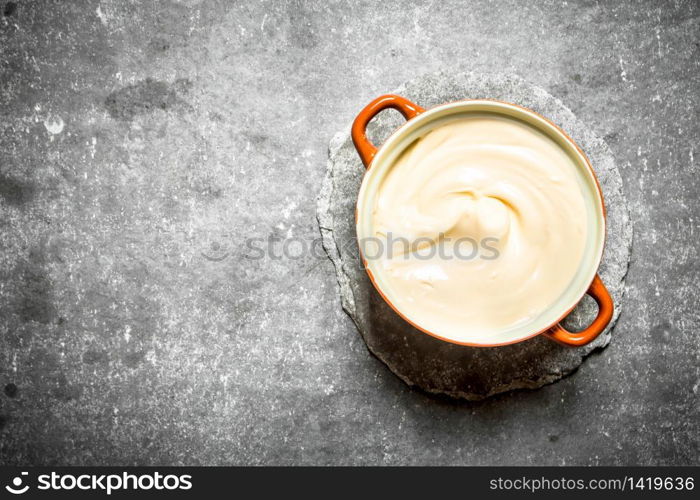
x=496 y=223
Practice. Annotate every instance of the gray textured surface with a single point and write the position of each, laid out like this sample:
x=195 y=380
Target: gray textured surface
x=432 y=365
x=135 y=330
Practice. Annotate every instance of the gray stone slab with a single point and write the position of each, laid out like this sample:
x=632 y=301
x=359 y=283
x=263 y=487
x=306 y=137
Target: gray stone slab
x=134 y=330
x=420 y=360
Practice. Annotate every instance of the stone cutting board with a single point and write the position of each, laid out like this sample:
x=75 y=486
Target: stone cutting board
x=423 y=361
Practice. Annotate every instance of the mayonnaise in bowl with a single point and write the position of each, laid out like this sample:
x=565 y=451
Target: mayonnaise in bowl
x=483 y=224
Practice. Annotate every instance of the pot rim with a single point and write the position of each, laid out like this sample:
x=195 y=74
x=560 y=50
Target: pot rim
x=426 y=117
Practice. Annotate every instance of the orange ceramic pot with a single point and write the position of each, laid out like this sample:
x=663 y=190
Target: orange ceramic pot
x=379 y=160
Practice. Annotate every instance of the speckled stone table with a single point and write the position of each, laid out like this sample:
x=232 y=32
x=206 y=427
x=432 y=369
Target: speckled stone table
x=148 y=149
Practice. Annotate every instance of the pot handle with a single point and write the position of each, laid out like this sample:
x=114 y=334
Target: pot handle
x=601 y=295
x=364 y=147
